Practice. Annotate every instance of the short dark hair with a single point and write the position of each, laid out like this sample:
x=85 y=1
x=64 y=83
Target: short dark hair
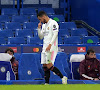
x=90 y=50
x=41 y=13
x=9 y=49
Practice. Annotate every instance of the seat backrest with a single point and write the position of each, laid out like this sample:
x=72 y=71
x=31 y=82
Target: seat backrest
x=24 y=33
x=12 y=25
x=9 y=11
x=90 y=40
x=28 y=68
x=33 y=18
x=16 y=40
x=34 y=40
x=67 y=25
x=2 y=40
x=79 y=32
x=6 y=33
x=21 y=18
x=30 y=25
x=17 y=56
x=75 y=60
x=4 y=67
x=27 y=11
x=57 y=18
x=72 y=40
x=4 y=18
x=49 y=11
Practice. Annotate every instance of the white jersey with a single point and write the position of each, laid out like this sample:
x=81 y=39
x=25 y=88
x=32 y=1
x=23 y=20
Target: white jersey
x=49 y=32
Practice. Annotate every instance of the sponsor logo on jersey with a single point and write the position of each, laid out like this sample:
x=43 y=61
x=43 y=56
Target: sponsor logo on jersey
x=48 y=28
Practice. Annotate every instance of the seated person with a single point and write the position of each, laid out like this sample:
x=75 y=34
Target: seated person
x=89 y=68
x=13 y=62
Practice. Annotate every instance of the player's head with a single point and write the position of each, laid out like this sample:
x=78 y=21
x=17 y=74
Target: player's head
x=91 y=53
x=42 y=16
x=9 y=51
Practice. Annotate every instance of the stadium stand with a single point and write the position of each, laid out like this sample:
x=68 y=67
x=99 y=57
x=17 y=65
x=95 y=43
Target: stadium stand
x=4 y=18
x=33 y=18
x=2 y=40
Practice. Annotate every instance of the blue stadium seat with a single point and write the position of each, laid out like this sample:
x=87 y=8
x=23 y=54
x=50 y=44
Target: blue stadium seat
x=58 y=18
x=17 y=56
x=4 y=67
x=12 y=25
x=35 y=33
x=63 y=33
x=60 y=40
x=4 y=18
x=6 y=33
x=72 y=40
x=30 y=25
x=27 y=11
x=21 y=19
x=28 y=68
x=67 y=25
x=34 y=18
x=34 y=40
x=98 y=56
x=24 y=33
x=9 y=11
x=16 y=40
x=59 y=64
x=79 y=32
x=49 y=11
x=2 y=40
x=90 y=40
x=1 y=26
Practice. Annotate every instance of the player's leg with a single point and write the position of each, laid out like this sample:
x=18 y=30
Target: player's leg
x=46 y=70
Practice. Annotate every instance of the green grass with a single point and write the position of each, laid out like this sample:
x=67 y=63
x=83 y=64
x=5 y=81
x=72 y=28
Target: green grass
x=52 y=87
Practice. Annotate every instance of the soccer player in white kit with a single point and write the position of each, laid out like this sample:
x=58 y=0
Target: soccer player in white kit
x=49 y=34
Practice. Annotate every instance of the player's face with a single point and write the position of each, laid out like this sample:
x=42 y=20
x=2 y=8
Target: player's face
x=92 y=55
x=10 y=53
x=42 y=19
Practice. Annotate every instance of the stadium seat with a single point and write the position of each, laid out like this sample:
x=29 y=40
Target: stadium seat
x=16 y=40
x=27 y=11
x=75 y=60
x=58 y=18
x=30 y=25
x=9 y=11
x=28 y=68
x=4 y=18
x=90 y=40
x=24 y=33
x=49 y=11
x=1 y=26
x=20 y=19
x=67 y=25
x=72 y=40
x=63 y=33
x=60 y=40
x=2 y=40
x=17 y=56
x=35 y=33
x=34 y=40
x=79 y=32
x=4 y=67
x=33 y=18
x=12 y=25
x=6 y=33
x=59 y=64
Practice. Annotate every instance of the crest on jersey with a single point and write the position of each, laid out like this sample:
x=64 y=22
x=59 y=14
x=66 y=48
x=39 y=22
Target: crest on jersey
x=48 y=28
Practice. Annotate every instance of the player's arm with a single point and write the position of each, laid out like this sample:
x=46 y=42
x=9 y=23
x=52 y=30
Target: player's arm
x=55 y=34
x=40 y=33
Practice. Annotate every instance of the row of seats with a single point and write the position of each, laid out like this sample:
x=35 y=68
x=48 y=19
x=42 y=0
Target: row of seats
x=34 y=25
x=26 y=18
x=36 y=40
x=26 y=11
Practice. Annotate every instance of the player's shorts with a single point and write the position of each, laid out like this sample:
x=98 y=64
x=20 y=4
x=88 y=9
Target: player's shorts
x=48 y=57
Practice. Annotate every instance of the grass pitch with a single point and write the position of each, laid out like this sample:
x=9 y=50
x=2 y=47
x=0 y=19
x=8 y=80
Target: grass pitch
x=52 y=87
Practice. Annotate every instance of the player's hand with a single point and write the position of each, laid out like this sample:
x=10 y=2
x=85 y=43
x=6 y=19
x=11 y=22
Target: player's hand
x=39 y=25
x=48 y=48
x=96 y=79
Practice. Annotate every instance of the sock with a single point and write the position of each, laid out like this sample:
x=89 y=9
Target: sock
x=47 y=74
x=56 y=71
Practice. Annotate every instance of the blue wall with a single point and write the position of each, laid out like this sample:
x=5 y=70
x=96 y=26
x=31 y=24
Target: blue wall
x=87 y=10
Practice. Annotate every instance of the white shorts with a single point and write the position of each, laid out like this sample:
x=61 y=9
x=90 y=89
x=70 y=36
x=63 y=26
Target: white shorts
x=48 y=57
